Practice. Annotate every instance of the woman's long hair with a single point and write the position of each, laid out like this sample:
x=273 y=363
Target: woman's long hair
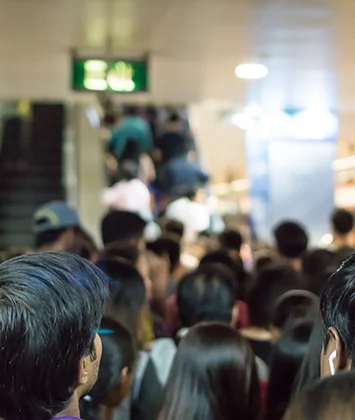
x=213 y=377
x=286 y=361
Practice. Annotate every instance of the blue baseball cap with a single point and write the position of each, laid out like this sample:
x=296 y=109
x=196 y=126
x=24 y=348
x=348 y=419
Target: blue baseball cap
x=55 y=215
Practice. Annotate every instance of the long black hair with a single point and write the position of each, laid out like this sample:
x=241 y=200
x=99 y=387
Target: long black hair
x=285 y=364
x=118 y=352
x=328 y=399
x=213 y=377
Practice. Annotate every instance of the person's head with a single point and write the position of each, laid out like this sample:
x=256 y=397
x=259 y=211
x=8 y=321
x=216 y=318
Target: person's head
x=329 y=399
x=234 y=265
x=174 y=123
x=231 y=240
x=54 y=225
x=168 y=247
x=131 y=110
x=342 y=222
x=122 y=226
x=206 y=295
x=338 y=308
x=115 y=373
x=286 y=360
x=317 y=266
x=291 y=239
x=293 y=306
x=270 y=284
x=213 y=377
x=127 y=302
x=51 y=306
x=175 y=227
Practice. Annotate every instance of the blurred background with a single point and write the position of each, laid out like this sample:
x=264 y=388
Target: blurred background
x=276 y=137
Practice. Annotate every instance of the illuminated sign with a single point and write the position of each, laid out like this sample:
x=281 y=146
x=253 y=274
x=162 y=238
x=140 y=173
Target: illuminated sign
x=119 y=76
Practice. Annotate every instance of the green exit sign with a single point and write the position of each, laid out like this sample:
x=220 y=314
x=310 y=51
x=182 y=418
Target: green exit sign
x=121 y=76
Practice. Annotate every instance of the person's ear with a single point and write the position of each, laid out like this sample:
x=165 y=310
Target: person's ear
x=126 y=381
x=334 y=356
x=235 y=315
x=83 y=371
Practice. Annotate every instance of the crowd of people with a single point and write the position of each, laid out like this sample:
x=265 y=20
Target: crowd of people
x=167 y=322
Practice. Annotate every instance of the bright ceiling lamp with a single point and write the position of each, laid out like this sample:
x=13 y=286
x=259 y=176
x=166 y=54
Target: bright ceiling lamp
x=251 y=71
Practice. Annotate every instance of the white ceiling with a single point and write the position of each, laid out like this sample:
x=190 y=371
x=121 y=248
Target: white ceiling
x=194 y=44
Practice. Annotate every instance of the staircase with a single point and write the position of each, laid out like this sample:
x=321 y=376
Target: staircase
x=30 y=172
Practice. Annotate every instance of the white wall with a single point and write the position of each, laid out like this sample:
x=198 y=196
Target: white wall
x=222 y=144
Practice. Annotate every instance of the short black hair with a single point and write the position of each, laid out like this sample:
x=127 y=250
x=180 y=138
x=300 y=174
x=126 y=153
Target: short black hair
x=167 y=246
x=342 y=221
x=118 y=352
x=270 y=284
x=206 y=295
x=131 y=110
x=121 y=226
x=175 y=227
x=291 y=239
x=231 y=239
x=338 y=306
x=50 y=310
x=174 y=117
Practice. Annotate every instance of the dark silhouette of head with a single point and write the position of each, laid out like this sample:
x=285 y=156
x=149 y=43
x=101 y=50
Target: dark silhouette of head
x=213 y=377
x=328 y=399
x=206 y=295
x=342 y=221
x=291 y=239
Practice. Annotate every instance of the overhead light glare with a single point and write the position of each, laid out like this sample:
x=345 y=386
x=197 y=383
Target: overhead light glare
x=251 y=71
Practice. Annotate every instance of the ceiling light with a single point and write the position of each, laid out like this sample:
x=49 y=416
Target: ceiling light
x=251 y=71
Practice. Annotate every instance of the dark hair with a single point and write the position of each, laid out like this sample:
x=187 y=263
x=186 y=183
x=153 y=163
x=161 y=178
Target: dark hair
x=317 y=266
x=175 y=227
x=270 y=284
x=121 y=226
x=49 y=237
x=127 y=251
x=338 y=306
x=50 y=309
x=234 y=265
x=127 y=293
x=131 y=110
x=174 y=117
x=342 y=221
x=118 y=352
x=231 y=240
x=294 y=305
x=205 y=295
x=213 y=377
x=331 y=398
x=310 y=369
x=291 y=239
x=285 y=364
x=169 y=247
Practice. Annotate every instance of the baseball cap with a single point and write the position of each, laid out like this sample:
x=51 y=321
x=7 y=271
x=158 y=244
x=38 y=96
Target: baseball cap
x=55 y=215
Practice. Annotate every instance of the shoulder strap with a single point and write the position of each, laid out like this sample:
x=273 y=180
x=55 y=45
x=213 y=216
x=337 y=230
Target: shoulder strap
x=139 y=374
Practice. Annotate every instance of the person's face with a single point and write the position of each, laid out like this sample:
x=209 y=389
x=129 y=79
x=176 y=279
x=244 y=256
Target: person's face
x=89 y=368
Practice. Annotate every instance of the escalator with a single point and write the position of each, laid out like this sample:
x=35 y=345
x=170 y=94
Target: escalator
x=30 y=170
